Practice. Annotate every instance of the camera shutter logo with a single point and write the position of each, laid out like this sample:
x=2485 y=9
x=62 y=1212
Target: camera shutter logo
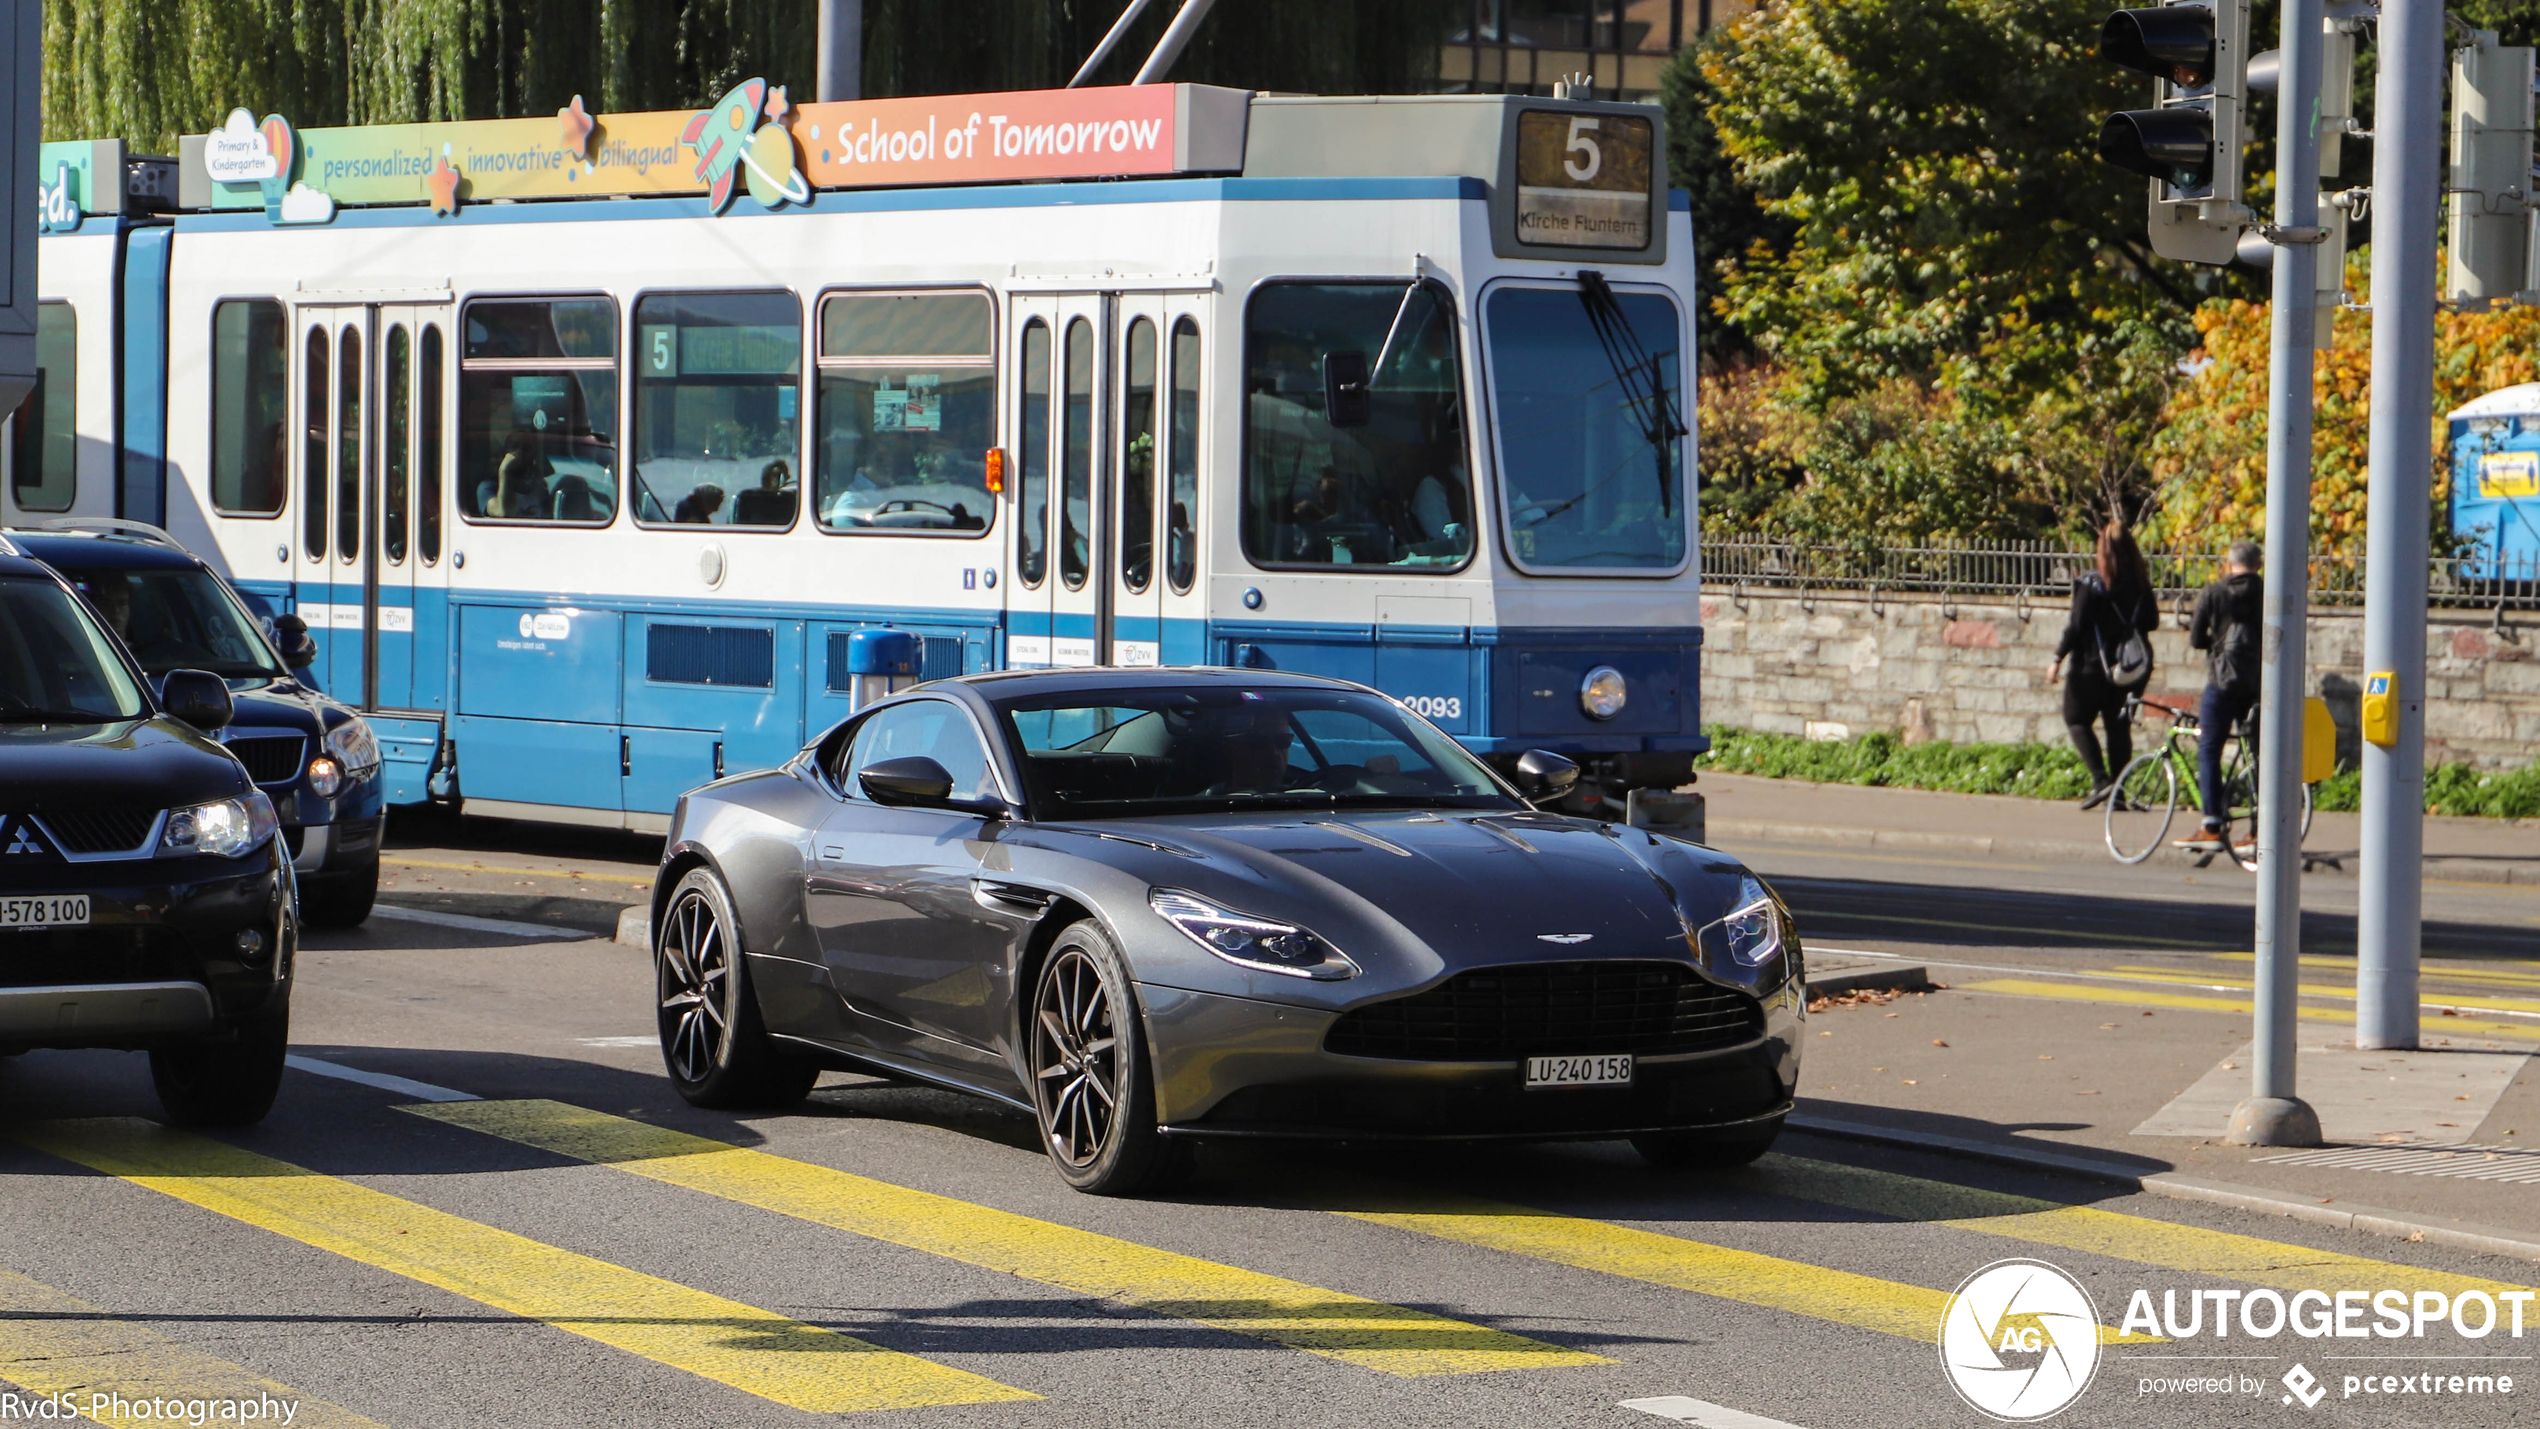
x=2019 y=1341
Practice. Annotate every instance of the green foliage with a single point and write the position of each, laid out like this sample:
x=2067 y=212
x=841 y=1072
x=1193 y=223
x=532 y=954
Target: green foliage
x=1729 y=221
x=2040 y=771
x=2449 y=789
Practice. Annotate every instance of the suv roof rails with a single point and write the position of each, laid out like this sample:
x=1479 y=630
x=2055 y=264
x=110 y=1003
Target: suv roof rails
x=108 y=526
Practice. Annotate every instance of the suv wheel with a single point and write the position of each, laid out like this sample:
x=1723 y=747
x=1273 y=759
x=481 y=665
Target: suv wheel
x=339 y=900
x=224 y=1083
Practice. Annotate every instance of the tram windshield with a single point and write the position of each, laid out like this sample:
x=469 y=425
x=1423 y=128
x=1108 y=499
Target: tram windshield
x=1354 y=427
x=1586 y=387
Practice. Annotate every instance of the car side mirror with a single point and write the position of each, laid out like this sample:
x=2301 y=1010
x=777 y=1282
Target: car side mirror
x=911 y=779
x=299 y=648
x=197 y=697
x=1542 y=774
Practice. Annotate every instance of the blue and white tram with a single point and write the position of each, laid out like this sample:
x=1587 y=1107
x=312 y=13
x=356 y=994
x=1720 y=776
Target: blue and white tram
x=588 y=499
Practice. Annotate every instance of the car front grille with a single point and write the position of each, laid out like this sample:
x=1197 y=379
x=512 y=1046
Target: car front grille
x=95 y=832
x=270 y=759
x=1551 y=1009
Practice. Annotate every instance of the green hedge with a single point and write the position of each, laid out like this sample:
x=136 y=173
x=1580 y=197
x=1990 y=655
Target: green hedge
x=2053 y=771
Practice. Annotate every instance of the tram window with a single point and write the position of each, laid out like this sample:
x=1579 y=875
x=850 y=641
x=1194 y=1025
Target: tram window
x=348 y=447
x=1137 y=465
x=538 y=411
x=1590 y=443
x=1381 y=481
x=1076 y=458
x=313 y=449
x=1181 y=516
x=396 y=404
x=1032 y=502
x=428 y=451
x=251 y=401
x=718 y=409
x=907 y=411
x=43 y=470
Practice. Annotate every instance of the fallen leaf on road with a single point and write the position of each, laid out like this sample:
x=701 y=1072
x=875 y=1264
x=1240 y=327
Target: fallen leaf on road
x=2417 y=1235
x=2230 y=1066
x=2147 y=1014
x=2085 y=1094
x=1891 y=1014
x=2107 y=1027
x=1909 y=1081
x=1938 y=1043
x=2043 y=1057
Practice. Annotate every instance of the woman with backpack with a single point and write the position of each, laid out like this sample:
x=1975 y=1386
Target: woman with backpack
x=2108 y=638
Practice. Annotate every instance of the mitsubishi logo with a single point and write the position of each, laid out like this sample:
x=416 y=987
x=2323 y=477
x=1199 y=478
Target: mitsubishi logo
x=21 y=840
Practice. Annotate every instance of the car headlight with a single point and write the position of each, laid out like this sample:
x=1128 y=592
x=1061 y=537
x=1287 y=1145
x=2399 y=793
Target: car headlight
x=224 y=828
x=1602 y=692
x=353 y=746
x=1250 y=942
x=1751 y=935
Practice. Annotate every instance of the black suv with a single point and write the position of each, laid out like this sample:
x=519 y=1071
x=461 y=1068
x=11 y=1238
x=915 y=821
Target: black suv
x=312 y=755
x=146 y=900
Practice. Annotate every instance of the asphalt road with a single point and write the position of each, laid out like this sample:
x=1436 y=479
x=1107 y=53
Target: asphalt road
x=495 y=1229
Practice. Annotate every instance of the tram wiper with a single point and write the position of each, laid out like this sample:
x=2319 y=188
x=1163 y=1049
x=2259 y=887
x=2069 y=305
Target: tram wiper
x=1636 y=372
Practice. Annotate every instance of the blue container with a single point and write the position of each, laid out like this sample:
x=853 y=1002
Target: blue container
x=884 y=652
x=2495 y=454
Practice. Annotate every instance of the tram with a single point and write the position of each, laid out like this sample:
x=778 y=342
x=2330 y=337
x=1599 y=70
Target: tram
x=595 y=449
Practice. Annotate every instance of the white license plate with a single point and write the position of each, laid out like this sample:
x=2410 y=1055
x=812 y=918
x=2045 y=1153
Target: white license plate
x=1608 y=1071
x=45 y=910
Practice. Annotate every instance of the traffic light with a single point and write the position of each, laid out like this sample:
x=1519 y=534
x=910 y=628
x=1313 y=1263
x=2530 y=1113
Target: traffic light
x=2188 y=143
x=2491 y=171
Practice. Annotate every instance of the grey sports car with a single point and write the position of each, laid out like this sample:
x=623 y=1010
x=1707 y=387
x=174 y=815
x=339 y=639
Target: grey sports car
x=1157 y=905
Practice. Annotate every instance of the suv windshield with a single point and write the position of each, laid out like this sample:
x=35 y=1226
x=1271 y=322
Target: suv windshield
x=178 y=620
x=56 y=666
x=1585 y=385
x=1119 y=753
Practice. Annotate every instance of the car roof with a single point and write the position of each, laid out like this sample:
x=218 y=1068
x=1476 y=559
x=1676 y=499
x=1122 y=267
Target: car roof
x=1001 y=685
x=93 y=550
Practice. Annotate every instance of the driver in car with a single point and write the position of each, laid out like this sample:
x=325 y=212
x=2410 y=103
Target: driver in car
x=1253 y=750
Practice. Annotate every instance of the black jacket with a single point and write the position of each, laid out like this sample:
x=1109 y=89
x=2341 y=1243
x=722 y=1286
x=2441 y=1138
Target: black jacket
x=2100 y=622
x=2228 y=626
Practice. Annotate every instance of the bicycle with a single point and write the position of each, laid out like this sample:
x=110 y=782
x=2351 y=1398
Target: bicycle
x=2146 y=799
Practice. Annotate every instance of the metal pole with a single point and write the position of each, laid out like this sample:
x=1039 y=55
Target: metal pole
x=2273 y=1115
x=1176 y=35
x=841 y=49
x=1110 y=40
x=2407 y=197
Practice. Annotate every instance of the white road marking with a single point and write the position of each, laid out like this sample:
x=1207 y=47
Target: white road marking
x=477 y=925
x=420 y=1091
x=1702 y=1415
x=649 y=1040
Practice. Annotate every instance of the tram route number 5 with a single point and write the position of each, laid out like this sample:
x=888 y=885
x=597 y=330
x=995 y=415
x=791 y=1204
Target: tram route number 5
x=1583 y=129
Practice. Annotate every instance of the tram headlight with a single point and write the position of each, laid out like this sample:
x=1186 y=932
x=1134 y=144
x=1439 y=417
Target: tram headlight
x=1603 y=692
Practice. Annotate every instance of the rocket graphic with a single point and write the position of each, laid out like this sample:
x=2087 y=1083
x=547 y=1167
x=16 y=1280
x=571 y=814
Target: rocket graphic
x=720 y=135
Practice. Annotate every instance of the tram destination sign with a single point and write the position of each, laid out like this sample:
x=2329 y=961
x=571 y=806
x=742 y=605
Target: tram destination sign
x=1583 y=179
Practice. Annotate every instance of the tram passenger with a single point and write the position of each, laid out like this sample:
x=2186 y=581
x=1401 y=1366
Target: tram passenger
x=771 y=502
x=573 y=499
x=697 y=508
x=520 y=487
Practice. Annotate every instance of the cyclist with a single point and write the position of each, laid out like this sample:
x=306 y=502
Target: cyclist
x=2228 y=627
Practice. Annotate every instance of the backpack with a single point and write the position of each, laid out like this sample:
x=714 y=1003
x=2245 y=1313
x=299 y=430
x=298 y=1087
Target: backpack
x=2129 y=662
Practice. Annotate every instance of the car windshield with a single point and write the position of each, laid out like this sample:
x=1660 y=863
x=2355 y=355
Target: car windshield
x=1586 y=387
x=56 y=665
x=178 y=620
x=1132 y=752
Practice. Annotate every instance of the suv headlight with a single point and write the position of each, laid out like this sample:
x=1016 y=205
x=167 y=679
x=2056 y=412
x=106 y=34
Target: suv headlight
x=1250 y=942
x=352 y=745
x=1751 y=935
x=225 y=828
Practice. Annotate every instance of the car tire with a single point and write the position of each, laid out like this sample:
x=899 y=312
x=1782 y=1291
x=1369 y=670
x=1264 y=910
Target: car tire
x=1092 y=1087
x=1721 y=1150
x=231 y=1083
x=714 y=1044
x=339 y=900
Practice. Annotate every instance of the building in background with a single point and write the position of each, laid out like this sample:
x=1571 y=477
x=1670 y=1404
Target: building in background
x=1522 y=46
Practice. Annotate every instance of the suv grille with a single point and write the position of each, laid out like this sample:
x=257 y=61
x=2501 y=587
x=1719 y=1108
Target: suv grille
x=270 y=759
x=1566 y=1009
x=100 y=831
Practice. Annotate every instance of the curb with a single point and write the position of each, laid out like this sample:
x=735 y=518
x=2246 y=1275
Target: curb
x=635 y=926
x=2370 y=1220
x=1907 y=979
x=1728 y=832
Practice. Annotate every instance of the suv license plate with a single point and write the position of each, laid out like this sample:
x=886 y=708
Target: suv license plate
x=51 y=910
x=1607 y=1071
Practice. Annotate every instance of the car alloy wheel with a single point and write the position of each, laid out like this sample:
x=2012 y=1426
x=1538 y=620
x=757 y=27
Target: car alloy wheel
x=713 y=1042
x=1075 y=1059
x=696 y=968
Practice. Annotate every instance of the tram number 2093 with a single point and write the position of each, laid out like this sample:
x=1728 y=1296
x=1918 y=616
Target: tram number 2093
x=1435 y=706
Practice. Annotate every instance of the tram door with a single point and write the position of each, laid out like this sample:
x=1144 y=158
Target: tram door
x=1094 y=478
x=333 y=464
x=404 y=614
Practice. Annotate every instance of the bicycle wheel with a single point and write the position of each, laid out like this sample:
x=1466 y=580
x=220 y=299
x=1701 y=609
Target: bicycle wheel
x=2240 y=806
x=2139 y=810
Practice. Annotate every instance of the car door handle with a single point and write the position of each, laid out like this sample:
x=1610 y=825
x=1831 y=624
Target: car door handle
x=836 y=851
x=1012 y=899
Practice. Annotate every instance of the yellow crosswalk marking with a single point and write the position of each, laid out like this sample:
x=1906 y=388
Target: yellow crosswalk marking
x=1888 y=1306
x=2492 y=975
x=2099 y=1232
x=766 y=1354
x=2145 y=997
x=1367 y=1333
x=2476 y=1001
x=118 y=1373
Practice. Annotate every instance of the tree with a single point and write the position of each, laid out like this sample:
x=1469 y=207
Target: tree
x=1729 y=221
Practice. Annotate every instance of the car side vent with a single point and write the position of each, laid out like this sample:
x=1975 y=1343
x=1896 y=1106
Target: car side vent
x=100 y=831
x=736 y=655
x=1553 y=1009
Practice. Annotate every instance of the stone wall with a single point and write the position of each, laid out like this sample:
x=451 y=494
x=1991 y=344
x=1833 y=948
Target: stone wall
x=1835 y=665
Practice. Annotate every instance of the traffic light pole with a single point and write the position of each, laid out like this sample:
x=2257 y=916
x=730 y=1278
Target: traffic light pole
x=2273 y=1115
x=2407 y=197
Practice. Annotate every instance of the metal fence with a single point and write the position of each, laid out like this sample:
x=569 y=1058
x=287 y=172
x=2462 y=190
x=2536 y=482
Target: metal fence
x=2043 y=571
